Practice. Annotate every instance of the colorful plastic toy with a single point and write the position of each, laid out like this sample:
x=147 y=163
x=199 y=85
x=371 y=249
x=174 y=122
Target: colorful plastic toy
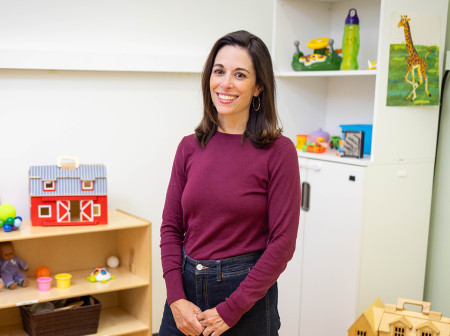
x=322 y=58
x=314 y=147
x=100 y=274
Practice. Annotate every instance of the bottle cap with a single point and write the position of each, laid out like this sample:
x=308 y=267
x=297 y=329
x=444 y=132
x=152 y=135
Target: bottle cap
x=352 y=19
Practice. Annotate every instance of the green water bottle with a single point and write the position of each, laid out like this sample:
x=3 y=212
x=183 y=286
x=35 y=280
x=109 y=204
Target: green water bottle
x=350 y=42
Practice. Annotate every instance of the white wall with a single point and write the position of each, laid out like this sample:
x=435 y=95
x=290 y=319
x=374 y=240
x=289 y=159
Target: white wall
x=129 y=121
x=437 y=284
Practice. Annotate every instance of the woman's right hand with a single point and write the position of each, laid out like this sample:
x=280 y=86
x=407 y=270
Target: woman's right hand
x=185 y=315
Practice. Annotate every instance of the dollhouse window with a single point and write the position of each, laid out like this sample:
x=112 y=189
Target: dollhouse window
x=96 y=210
x=399 y=331
x=49 y=185
x=87 y=185
x=425 y=334
x=45 y=211
x=361 y=333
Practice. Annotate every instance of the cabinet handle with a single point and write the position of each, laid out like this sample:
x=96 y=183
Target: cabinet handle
x=305 y=196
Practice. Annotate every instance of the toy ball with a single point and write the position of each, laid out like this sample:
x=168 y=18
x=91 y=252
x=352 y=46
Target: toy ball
x=2 y=223
x=112 y=262
x=7 y=228
x=17 y=222
x=100 y=274
x=42 y=271
x=10 y=221
x=7 y=210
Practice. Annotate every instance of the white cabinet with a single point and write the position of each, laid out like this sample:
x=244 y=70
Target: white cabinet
x=322 y=277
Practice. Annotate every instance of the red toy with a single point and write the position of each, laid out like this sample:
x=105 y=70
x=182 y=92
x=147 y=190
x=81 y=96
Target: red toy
x=68 y=194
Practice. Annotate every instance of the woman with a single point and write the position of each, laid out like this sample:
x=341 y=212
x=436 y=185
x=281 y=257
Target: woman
x=232 y=207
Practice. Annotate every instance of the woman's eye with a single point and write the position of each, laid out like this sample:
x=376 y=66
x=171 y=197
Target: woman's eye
x=218 y=71
x=240 y=75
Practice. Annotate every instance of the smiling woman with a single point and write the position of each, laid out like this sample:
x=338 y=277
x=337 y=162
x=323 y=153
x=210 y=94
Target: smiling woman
x=232 y=207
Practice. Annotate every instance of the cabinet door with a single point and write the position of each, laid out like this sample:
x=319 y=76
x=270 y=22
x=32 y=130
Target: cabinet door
x=331 y=248
x=289 y=282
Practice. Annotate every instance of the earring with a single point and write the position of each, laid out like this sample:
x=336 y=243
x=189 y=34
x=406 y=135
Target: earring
x=259 y=103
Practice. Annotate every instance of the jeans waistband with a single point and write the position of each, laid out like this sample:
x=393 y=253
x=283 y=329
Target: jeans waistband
x=220 y=265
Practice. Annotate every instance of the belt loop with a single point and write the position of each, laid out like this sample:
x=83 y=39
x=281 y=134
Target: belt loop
x=184 y=263
x=219 y=271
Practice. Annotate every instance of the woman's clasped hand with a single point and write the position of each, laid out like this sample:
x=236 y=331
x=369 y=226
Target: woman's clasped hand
x=191 y=320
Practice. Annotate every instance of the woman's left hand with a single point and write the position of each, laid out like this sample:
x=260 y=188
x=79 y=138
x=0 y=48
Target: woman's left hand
x=213 y=323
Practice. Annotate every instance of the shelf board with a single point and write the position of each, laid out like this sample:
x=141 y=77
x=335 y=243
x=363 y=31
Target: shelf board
x=79 y=286
x=100 y=61
x=113 y=322
x=117 y=220
x=336 y=73
x=333 y=157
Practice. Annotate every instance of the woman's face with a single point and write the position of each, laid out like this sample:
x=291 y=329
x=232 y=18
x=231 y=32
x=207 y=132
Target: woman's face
x=233 y=82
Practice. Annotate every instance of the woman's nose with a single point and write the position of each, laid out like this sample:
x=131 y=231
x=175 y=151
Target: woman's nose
x=226 y=82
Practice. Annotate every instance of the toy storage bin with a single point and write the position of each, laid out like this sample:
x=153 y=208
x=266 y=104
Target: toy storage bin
x=367 y=128
x=75 y=321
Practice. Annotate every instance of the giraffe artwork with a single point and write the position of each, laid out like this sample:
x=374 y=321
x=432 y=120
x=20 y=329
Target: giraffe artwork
x=414 y=61
x=413 y=77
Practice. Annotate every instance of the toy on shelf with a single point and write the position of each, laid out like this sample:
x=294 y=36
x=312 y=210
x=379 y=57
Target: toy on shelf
x=42 y=271
x=322 y=58
x=100 y=274
x=319 y=135
x=387 y=320
x=10 y=266
x=112 y=262
x=68 y=193
x=314 y=147
x=63 y=280
x=8 y=219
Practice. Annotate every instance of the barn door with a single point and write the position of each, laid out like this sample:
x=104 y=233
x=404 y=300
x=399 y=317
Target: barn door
x=62 y=211
x=87 y=213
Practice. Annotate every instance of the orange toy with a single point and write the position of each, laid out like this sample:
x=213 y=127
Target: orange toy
x=42 y=271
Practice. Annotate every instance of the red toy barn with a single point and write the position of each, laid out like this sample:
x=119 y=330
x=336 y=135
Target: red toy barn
x=68 y=194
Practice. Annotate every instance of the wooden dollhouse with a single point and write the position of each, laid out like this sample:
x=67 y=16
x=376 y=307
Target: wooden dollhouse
x=68 y=194
x=395 y=320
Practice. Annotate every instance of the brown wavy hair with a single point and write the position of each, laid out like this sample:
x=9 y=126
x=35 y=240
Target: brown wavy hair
x=262 y=125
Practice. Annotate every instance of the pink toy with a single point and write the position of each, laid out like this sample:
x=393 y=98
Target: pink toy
x=44 y=283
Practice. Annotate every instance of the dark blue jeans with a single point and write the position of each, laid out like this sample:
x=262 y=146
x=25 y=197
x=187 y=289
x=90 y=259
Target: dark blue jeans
x=209 y=282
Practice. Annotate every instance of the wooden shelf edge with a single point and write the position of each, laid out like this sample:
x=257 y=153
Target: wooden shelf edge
x=79 y=287
x=117 y=220
x=113 y=322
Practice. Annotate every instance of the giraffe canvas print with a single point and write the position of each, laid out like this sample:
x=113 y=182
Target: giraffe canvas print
x=413 y=77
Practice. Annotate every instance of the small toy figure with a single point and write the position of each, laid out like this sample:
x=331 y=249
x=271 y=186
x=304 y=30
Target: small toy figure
x=100 y=274
x=10 y=266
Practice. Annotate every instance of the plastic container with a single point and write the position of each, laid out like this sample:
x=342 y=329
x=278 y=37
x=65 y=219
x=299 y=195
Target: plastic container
x=44 y=283
x=63 y=280
x=301 y=140
x=367 y=129
x=350 y=42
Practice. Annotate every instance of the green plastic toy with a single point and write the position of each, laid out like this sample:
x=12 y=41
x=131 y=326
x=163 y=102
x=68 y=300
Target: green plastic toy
x=322 y=58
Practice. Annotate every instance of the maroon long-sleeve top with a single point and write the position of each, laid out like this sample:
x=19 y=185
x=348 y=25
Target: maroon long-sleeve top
x=228 y=199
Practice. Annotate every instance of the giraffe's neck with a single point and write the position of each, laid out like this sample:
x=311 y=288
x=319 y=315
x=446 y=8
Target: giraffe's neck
x=409 y=43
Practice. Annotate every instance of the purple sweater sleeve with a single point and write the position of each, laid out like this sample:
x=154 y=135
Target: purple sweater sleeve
x=283 y=219
x=172 y=232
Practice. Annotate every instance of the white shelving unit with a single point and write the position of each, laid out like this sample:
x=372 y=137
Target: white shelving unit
x=364 y=229
x=126 y=300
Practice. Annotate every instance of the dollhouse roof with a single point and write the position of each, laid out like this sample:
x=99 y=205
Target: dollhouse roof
x=68 y=181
